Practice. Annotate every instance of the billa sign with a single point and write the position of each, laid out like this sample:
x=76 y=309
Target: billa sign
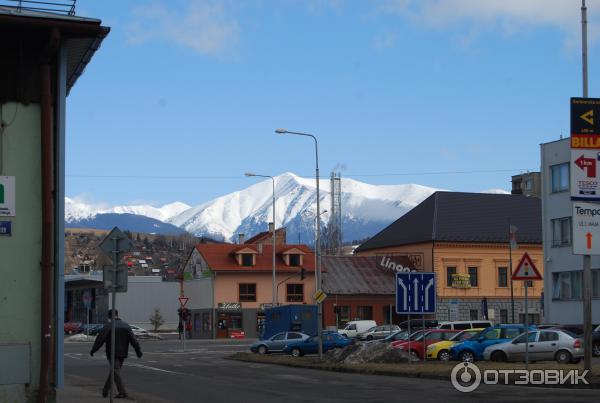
x=585 y=149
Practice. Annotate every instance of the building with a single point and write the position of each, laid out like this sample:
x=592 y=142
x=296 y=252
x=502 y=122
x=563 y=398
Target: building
x=527 y=184
x=43 y=55
x=562 y=283
x=463 y=238
x=266 y=237
x=239 y=285
x=361 y=287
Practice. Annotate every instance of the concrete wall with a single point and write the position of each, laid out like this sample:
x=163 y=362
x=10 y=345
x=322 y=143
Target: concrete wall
x=144 y=294
x=20 y=254
x=558 y=259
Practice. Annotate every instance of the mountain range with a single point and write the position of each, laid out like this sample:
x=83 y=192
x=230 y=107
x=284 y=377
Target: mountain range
x=366 y=209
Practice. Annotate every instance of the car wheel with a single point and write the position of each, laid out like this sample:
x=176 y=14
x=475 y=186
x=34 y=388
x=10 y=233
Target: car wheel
x=414 y=356
x=596 y=350
x=262 y=349
x=369 y=338
x=466 y=356
x=444 y=355
x=296 y=352
x=563 y=357
x=498 y=356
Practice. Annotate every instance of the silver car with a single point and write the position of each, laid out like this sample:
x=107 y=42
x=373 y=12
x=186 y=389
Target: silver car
x=378 y=332
x=277 y=342
x=544 y=345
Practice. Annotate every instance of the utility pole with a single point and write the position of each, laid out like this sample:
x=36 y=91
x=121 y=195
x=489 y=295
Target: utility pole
x=587 y=259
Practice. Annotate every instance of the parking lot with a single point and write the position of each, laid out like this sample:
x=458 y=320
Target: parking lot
x=203 y=372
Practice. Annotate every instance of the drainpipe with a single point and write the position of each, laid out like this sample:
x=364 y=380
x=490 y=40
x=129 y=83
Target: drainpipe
x=47 y=306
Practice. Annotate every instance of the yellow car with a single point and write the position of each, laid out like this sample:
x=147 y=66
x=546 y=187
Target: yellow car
x=441 y=349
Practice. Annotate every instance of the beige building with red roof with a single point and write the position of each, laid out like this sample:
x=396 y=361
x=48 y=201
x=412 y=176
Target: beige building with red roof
x=240 y=277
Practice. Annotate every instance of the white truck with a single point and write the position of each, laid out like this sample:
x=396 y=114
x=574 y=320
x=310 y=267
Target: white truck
x=356 y=326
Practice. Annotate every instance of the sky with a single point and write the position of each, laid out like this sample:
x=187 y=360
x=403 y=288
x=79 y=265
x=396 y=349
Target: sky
x=184 y=96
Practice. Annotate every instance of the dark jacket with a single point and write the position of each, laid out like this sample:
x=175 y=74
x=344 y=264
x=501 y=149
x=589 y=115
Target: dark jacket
x=123 y=338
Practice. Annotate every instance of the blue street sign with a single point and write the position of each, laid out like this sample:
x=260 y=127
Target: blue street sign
x=415 y=293
x=5 y=228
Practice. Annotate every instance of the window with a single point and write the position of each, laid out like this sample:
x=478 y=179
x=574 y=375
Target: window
x=344 y=315
x=450 y=272
x=294 y=336
x=247 y=259
x=502 y=277
x=473 y=314
x=473 y=276
x=548 y=336
x=295 y=293
x=294 y=259
x=247 y=292
x=503 y=315
x=511 y=333
x=561 y=231
x=364 y=312
x=463 y=326
x=568 y=285
x=560 y=177
x=278 y=337
x=530 y=337
x=529 y=184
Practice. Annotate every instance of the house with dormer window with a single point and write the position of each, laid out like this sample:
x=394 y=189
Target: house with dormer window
x=240 y=278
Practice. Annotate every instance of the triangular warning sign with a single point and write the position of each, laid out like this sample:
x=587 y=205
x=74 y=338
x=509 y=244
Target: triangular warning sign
x=526 y=270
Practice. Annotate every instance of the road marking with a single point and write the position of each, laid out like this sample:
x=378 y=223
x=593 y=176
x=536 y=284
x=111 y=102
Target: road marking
x=151 y=368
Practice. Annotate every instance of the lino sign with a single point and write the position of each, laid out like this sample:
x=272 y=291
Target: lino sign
x=397 y=264
x=7 y=196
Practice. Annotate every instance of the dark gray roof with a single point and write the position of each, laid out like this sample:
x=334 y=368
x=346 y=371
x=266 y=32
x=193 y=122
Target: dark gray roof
x=356 y=275
x=464 y=217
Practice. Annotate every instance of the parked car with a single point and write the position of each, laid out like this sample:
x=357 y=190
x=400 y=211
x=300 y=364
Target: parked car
x=543 y=345
x=399 y=335
x=472 y=350
x=72 y=327
x=419 y=341
x=277 y=342
x=419 y=324
x=92 y=329
x=311 y=345
x=441 y=349
x=139 y=332
x=465 y=324
x=596 y=342
x=576 y=329
x=354 y=327
x=378 y=332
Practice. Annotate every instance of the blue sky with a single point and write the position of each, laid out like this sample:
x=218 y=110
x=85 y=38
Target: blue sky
x=183 y=96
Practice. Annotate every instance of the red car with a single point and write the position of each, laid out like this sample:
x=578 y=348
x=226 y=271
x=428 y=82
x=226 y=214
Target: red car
x=417 y=347
x=72 y=327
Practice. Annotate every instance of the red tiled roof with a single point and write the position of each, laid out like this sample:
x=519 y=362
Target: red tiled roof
x=261 y=236
x=221 y=257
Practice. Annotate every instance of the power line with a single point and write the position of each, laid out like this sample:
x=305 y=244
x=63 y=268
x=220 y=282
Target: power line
x=347 y=174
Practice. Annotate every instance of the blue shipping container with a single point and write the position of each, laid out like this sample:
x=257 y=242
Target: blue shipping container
x=300 y=318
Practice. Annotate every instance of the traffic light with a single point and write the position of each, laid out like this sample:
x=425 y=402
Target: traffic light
x=302 y=273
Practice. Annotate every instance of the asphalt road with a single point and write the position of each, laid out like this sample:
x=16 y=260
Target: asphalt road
x=203 y=374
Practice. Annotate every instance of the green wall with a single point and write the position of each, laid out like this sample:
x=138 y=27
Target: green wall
x=20 y=254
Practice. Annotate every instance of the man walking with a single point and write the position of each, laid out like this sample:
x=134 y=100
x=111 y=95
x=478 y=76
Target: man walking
x=123 y=338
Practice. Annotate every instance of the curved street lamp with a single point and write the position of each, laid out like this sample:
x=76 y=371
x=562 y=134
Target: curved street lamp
x=250 y=174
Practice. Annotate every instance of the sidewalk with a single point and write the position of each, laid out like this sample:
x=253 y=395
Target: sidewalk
x=78 y=390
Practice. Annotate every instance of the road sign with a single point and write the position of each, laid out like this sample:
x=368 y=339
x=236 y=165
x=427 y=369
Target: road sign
x=7 y=196
x=526 y=270
x=6 y=228
x=123 y=243
x=415 y=293
x=115 y=282
x=183 y=301
x=320 y=296
x=585 y=123
x=586 y=228
x=585 y=174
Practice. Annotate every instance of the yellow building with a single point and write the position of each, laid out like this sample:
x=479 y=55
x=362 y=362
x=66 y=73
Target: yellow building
x=464 y=239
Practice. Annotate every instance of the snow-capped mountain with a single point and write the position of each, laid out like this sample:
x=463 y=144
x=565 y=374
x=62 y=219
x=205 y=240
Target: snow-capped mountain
x=365 y=208
x=77 y=210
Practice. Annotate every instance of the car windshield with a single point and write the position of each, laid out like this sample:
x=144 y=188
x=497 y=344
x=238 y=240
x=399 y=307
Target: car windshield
x=464 y=335
x=372 y=329
x=418 y=335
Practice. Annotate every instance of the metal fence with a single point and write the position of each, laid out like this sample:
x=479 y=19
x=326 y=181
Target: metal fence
x=66 y=7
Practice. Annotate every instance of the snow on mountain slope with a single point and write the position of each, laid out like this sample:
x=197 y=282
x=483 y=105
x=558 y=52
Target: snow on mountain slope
x=76 y=210
x=249 y=210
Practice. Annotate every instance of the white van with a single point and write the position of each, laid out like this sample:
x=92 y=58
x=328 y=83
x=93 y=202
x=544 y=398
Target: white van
x=356 y=326
x=464 y=324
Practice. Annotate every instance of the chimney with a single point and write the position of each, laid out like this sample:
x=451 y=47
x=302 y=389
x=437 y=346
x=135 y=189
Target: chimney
x=241 y=238
x=271 y=227
x=259 y=246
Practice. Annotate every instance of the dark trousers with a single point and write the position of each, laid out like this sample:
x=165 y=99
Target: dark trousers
x=118 y=380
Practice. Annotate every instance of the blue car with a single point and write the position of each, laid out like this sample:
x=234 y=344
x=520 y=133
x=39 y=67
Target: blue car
x=311 y=346
x=472 y=350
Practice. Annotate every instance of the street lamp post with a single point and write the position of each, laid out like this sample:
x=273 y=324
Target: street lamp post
x=317 y=241
x=274 y=240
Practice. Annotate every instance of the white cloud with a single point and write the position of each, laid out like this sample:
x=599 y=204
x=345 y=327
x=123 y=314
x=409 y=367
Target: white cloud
x=204 y=27
x=506 y=16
